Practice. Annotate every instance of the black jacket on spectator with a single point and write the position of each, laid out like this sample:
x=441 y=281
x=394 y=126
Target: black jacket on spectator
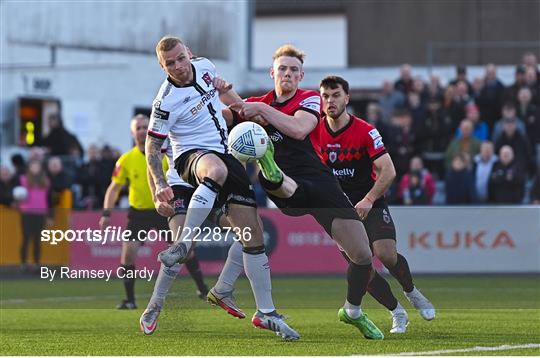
x=401 y=146
x=520 y=145
x=531 y=117
x=490 y=102
x=535 y=190
x=6 y=194
x=506 y=185
x=94 y=179
x=460 y=187
x=61 y=142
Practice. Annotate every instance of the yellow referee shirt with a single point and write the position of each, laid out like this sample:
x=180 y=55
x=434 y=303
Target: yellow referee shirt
x=131 y=169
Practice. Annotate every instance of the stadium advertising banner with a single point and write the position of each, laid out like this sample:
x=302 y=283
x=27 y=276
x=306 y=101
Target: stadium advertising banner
x=469 y=239
x=434 y=240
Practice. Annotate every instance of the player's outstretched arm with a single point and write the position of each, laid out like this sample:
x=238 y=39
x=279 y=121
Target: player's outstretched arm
x=298 y=126
x=154 y=163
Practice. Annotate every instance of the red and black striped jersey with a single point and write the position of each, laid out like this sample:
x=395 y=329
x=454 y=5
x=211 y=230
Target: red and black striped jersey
x=350 y=153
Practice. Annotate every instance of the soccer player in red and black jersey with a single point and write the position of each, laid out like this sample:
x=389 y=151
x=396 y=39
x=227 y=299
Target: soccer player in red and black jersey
x=299 y=183
x=355 y=152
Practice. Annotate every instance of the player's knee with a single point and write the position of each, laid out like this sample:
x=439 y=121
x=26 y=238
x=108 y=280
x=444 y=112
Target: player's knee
x=360 y=257
x=388 y=258
x=215 y=170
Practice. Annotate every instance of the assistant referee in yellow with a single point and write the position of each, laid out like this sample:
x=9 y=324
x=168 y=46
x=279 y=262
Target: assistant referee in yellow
x=131 y=170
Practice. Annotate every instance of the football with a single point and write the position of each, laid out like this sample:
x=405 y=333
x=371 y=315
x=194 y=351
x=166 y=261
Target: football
x=248 y=141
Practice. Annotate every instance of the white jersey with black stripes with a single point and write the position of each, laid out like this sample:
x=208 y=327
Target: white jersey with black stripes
x=190 y=115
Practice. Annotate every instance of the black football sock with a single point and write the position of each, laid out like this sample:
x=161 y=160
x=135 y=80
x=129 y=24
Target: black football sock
x=402 y=273
x=358 y=278
x=380 y=290
x=129 y=283
x=194 y=270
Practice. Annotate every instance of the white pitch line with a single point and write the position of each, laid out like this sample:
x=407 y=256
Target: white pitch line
x=473 y=349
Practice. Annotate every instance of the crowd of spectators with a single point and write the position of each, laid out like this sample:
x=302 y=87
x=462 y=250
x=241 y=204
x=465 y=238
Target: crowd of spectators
x=480 y=138
x=472 y=142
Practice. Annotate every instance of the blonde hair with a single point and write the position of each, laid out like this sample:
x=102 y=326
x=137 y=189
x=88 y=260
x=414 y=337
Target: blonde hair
x=290 y=51
x=166 y=43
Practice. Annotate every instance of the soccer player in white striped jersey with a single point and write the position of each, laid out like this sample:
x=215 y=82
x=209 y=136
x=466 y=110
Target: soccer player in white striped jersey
x=176 y=214
x=187 y=109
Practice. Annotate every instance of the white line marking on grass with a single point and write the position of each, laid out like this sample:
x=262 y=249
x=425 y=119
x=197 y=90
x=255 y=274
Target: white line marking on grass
x=504 y=347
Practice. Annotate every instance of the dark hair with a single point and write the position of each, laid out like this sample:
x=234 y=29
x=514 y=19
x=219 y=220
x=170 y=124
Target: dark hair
x=509 y=105
x=333 y=82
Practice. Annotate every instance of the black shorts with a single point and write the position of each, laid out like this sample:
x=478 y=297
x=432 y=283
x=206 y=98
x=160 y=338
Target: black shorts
x=379 y=223
x=144 y=220
x=182 y=196
x=237 y=188
x=324 y=200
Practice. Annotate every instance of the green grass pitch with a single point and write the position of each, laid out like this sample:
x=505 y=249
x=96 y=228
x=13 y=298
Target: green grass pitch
x=78 y=318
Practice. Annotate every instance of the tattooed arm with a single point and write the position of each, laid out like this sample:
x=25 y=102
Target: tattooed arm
x=153 y=160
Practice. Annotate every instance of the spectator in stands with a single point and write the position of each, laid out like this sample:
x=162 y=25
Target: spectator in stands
x=401 y=141
x=390 y=100
x=374 y=117
x=59 y=182
x=510 y=136
x=508 y=113
x=511 y=92
x=19 y=164
x=59 y=141
x=507 y=181
x=6 y=186
x=438 y=135
x=530 y=61
x=435 y=90
x=461 y=76
x=404 y=83
x=535 y=189
x=467 y=143
x=93 y=179
x=483 y=163
x=456 y=107
x=481 y=130
x=425 y=188
x=460 y=187
x=35 y=213
x=108 y=159
x=529 y=113
x=414 y=193
x=531 y=78
x=491 y=96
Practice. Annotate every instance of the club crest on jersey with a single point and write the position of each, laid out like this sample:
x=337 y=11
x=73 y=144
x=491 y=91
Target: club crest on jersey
x=207 y=79
x=332 y=157
x=186 y=100
x=244 y=144
x=179 y=204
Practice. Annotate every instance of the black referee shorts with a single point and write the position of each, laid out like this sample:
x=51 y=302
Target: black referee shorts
x=324 y=200
x=237 y=188
x=144 y=220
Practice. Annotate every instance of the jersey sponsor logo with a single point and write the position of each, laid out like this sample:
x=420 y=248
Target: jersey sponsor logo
x=207 y=79
x=378 y=143
x=374 y=134
x=157 y=104
x=207 y=97
x=160 y=114
x=346 y=172
x=313 y=103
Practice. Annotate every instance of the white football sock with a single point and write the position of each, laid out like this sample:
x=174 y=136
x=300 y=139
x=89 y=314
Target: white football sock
x=164 y=281
x=234 y=265
x=258 y=272
x=199 y=208
x=352 y=310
